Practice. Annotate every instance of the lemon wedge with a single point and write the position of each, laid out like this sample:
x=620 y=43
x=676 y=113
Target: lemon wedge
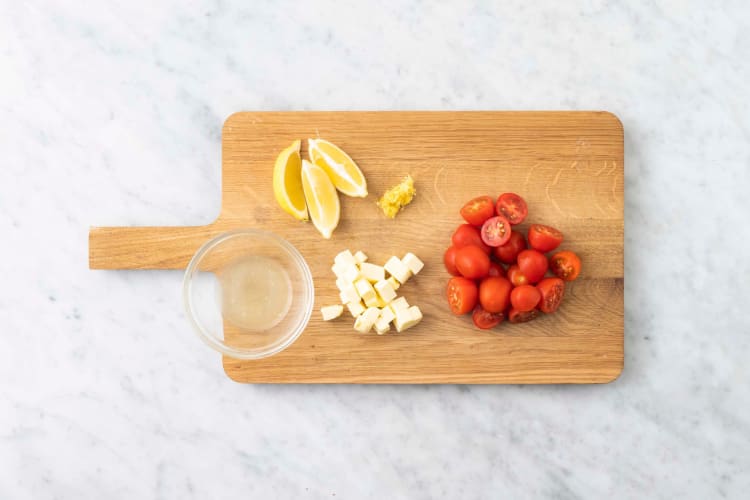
x=287 y=182
x=322 y=198
x=345 y=174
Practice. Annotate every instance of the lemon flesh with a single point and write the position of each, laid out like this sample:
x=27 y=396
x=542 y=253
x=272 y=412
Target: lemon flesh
x=343 y=171
x=287 y=182
x=322 y=198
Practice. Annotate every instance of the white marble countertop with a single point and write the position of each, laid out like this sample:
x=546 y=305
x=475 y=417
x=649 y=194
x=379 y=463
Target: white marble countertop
x=106 y=393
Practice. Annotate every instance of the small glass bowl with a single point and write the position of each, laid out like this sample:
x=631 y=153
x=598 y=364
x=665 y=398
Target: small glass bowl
x=227 y=273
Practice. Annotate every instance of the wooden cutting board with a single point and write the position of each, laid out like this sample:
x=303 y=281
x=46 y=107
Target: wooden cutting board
x=567 y=165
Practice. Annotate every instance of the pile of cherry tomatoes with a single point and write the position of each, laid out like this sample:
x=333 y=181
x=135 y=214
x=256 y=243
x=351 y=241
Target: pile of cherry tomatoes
x=482 y=248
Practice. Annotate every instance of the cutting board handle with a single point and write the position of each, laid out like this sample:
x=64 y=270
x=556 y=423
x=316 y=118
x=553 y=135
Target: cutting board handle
x=162 y=247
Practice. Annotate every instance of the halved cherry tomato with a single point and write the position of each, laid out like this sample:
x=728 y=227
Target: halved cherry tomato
x=485 y=319
x=516 y=276
x=466 y=234
x=472 y=262
x=565 y=265
x=449 y=259
x=533 y=265
x=508 y=252
x=512 y=207
x=552 y=290
x=496 y=270
x=523 y=298
x=496 y=231
x=494 y=294
x=516 y=316
x=462 y=295
x=544 y=238
x=478 y=210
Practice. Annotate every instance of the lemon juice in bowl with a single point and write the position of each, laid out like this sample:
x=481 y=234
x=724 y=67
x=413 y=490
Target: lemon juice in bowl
x=256 y=293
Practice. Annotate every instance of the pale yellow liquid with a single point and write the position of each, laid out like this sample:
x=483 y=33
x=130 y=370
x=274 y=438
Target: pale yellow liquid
x=256 y=293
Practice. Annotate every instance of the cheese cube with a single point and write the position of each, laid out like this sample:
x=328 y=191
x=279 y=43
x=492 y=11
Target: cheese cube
x=394 y=282
x=366 y=320
x=351 y=273
x=385 y=290
x=382 y=326
x=338 y=269
x=349 y=294
x=371 y=272
x=381 y=303
x=345 y=271
x=407 y=318
x=342 y=284
x=355 y=308
x=386 y=314
x=365 y=289
x=360 y=257
x=397 y=269
x=331 y=312
x=413 y=263
x=344 y=258
x=398 y=304
x=373 y=301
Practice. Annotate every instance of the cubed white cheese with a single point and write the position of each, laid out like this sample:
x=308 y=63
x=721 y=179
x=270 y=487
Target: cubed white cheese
x=386 y=314
x=331 y=312
x=371 y=272
x=355 y=308
x=399 y=303
x=373 y=301
x=338 y=269
x=366 y=320
x=365 y=289
x=407 y=318
x=349 y=294
x=385 y=290
x=394 y=282
x=382 y=326
x=413 y=263
x=397 y=269
x=342 y=284
x=345 y=257
x=351 y=273
x=345 y=271
x=360 y=257
x=416 y=316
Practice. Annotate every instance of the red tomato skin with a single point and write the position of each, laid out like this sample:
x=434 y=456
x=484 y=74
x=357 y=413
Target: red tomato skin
x=508 y=252
x=524 y=298
x=533 y=264
x=544 y=238
x=516 y=277
x=494 y=294
x=462 y=295
x=495 y=231
x=552 y=291
x=472 y=262
x=465 y=235
x=449 y=260
x=512 y=207
x=496 y=270
x=478 y=210
x=485 y=320
x=565 y=265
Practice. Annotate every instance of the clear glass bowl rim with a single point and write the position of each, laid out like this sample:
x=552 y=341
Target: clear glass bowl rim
x=210 y=339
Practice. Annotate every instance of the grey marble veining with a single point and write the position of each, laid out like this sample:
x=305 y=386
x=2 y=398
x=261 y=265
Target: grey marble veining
x=110 y=114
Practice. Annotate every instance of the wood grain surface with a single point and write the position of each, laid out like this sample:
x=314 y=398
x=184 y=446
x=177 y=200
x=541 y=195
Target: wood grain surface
x=567 y=165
